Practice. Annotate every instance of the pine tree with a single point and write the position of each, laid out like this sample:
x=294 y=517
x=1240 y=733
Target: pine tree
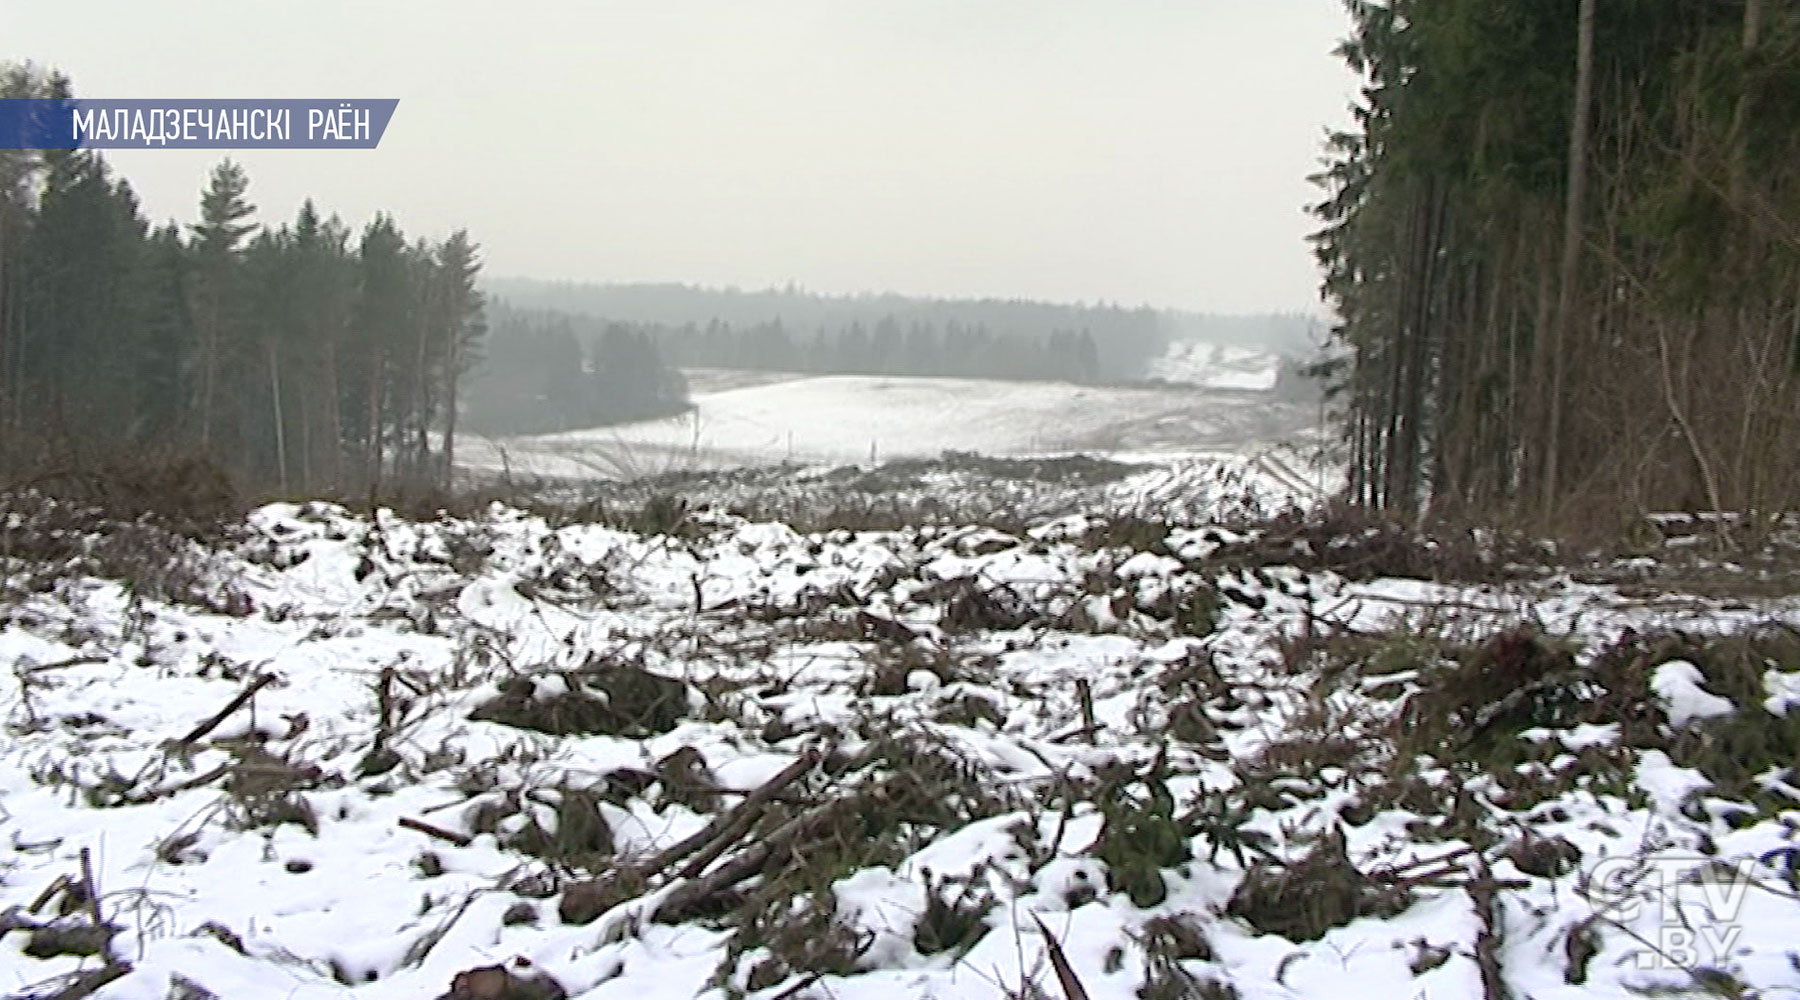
x=78 y=342
x=1560 y=238
x=215 y=291
x=166 y=338
x=465 y=325
x=382 y=315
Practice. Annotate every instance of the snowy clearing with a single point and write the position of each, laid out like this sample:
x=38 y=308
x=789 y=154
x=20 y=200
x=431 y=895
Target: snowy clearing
x=1217 y=366
x=474 y=734
x=839 y=420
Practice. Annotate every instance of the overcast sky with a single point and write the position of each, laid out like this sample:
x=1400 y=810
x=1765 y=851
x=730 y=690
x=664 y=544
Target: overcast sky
x=1136 y=151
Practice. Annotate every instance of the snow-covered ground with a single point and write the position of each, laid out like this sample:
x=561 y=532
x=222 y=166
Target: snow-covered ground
x=1216 y=366
x=864 y=419
x=266 y=859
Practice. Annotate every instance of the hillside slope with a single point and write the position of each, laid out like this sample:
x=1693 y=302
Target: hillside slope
x=850 y=419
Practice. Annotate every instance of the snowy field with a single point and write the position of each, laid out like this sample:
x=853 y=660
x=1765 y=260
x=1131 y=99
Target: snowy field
x=841 y=420
x=1216 y=366
x=961 y=733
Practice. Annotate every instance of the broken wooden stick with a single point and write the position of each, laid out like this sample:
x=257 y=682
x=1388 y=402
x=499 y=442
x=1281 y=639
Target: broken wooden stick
x=684 y=898
x=86 y=984
x=699 y=850
x=88 y=888
x=1084 y=733
x=1065 y=973
x=384 y=697
x=77 y=661
x=734 y=823
x=449 y=836
x=163 y=791
x=877 y=626
x=1401 y=870
x=800 y=986
x=14 y=919
x=63 y=882
x=724 y=829
x=1488 y=938
x=199 y=732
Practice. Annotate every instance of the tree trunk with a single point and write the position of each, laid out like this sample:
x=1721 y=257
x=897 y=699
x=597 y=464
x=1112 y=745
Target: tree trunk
x=1571 y=246
x=334 y=415
x=451 y=362
x=306 y=443
x=417 y=440
x=373 y=405
x=281 y=462
x=1740 y=117
x=1753 y=18
x=209 y=353
x=10 y=376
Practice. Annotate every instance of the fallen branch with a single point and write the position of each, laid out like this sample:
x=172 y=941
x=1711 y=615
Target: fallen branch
x=584 y=901
x=384 y=696
x=199 y=732
x=84 y=984
x=88 y=888
x=163 y=791
x=77 y=661
x=79 y=985
x=43 y=899
x=1488 y=938
x=876 y=626
x=1397 y=873
x=800 y=986
x=421 y=947
x=14 y=919
x=1446 y=880
x=1065 y=973
x=1084 y=695
x=36 y=846
x=450 y=836
x=1087 y=733
x=1441 y=873
x=731 y=826
x=688 y=896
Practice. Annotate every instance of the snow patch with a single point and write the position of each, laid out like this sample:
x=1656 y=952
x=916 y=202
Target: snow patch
x=1679 y=685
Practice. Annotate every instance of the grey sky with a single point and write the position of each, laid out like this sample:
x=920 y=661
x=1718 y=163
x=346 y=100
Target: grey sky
x=1125 y=150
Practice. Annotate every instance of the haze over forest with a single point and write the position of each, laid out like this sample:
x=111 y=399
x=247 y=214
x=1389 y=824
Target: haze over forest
x=1298 y=331
x=564 y=355
x=1147 y=151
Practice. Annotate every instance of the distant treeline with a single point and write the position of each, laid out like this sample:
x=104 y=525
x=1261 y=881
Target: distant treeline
x=885 y=349
x=874 y=334
x=567 y=356
x=547 y=371
x=302 y=357
x=1125 y=339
